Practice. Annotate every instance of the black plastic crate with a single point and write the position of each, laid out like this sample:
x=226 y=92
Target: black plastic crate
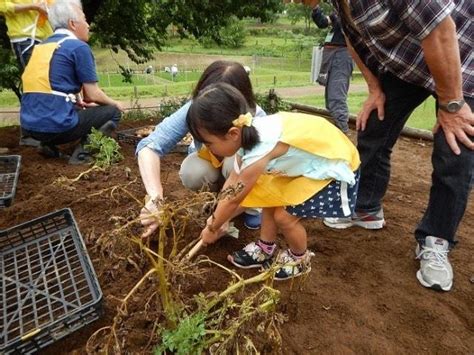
x=9 y=173
x=129 y=136
x=48 y=287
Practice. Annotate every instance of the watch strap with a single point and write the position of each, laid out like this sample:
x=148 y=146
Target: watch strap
x=445 y=107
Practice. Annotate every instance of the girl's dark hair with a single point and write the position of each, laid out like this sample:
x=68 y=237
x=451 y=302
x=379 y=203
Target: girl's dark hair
x=232 y=73
x=215 y=108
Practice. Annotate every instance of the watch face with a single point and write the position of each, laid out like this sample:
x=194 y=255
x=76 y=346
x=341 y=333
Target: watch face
x=453 y=106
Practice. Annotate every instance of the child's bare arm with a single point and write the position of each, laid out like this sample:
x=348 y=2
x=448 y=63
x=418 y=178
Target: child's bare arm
x=241 y=184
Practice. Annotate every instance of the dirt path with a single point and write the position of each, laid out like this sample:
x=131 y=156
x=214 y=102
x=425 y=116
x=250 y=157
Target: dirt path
x=10 y=115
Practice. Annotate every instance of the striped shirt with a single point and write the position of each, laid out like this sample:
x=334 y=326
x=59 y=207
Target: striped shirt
x=390 y=33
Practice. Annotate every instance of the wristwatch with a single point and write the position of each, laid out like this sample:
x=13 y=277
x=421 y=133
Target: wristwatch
x=452 y=106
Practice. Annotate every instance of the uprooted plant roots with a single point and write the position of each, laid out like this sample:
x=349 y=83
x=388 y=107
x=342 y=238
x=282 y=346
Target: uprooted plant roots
x=240 y=318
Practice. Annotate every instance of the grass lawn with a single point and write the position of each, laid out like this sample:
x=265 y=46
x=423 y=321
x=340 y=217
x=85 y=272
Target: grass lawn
x=8 y=99
x=423 y=117
x=283 y=60
x=287 y=46
x=261 y=76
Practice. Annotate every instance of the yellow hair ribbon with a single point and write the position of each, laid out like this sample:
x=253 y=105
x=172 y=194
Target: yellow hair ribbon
x=243 y=120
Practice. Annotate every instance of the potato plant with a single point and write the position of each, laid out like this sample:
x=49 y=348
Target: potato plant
x=271 y=103
x=106 y=150
x=220 y=322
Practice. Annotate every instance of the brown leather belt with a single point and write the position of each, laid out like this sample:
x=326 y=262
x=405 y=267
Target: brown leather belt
x=333 y=46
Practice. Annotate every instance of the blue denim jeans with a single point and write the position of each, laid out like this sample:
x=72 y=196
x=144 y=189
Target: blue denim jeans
x=23 y=51
x=451 y=177
x=337 y=86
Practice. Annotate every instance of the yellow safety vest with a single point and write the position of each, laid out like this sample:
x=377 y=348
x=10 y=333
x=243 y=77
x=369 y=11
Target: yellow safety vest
x=206 y=154
x=35 y=78
x=314 y=135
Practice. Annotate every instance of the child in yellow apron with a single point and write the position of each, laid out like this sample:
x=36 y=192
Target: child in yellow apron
x=292 y=165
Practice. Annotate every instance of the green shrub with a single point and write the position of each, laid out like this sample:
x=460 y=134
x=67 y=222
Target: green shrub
x=266 y=32
x=233 y=35
x=207 y=42
x=171 y=105
x=187 y=338
x=106 y=150
x=9 y=72
x=271 y=102
x=139 y=114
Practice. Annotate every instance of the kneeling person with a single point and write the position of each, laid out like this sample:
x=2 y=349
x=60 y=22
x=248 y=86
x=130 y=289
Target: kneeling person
x=58 y=70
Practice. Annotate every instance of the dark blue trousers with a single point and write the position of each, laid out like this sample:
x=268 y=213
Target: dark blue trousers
x=23 y=51
x=452 y=174
x=93 y=117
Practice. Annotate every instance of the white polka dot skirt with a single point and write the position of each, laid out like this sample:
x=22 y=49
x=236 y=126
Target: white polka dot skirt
x=337 y=199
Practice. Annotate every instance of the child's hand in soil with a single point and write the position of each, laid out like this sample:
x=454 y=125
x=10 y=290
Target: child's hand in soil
x=209 y=237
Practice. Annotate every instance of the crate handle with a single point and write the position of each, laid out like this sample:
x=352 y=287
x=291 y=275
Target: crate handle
x=30 y=334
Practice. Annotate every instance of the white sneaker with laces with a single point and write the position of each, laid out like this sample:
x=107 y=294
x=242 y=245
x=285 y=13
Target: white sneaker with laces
x=367 y=220
x=249 y=257
x=435 y=270
x=338 y=222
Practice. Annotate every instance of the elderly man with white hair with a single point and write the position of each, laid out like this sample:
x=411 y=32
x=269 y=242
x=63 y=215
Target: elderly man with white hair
x=59 y=70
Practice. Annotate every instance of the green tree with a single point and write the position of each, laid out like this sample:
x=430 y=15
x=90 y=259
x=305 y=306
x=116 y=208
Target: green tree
x=231 y=36
x=297 y=12
x=9 y=71
x=139 y=27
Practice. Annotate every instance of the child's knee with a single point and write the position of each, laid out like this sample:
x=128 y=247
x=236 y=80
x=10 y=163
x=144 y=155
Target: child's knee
x=283 y=219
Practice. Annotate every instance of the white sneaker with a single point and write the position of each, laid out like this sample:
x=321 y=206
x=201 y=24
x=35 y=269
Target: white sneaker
x=372 y=220
x=435 y=270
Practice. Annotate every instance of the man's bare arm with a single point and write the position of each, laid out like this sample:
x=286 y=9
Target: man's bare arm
x=441 y=51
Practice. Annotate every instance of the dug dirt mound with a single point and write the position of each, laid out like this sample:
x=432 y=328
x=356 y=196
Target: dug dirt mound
x=361 y=296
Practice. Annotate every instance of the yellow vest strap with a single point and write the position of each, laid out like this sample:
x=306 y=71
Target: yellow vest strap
x=36 y=75
x=206 y=154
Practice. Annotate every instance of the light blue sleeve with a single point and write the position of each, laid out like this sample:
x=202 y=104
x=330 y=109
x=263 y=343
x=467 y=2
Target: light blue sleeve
x=167 y=133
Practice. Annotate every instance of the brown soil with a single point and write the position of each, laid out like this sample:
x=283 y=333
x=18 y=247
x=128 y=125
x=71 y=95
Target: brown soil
x=361 y=297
